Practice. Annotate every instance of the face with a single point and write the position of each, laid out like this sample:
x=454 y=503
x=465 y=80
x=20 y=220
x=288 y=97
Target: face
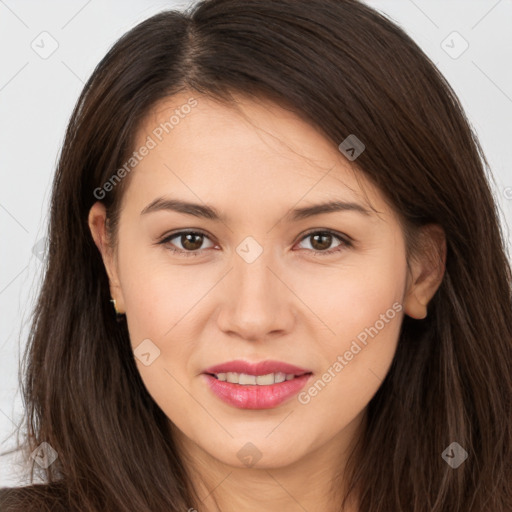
x=254 y=274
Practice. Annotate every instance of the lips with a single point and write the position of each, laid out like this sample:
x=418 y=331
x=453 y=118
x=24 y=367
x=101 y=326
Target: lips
x=245 y=385
x=261 y=368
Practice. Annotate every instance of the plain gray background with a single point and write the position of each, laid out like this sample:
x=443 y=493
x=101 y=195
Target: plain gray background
x=38 y=91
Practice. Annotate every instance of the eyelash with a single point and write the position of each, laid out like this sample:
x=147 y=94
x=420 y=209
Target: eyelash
x=345 y=242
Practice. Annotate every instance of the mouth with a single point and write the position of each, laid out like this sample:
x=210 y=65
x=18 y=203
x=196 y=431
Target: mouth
x=263 y=385
x=246 y=379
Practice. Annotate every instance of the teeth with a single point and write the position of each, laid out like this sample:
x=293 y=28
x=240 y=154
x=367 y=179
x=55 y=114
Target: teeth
x=232 y=377
x=279 y=377
x=265 y=380
x=246 y=379
x=253 y=380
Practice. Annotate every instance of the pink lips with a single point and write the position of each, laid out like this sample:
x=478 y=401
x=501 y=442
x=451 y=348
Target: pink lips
x=255 y=396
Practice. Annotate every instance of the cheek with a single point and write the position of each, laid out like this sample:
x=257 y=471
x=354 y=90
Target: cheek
x=364 y=310
x=159 y=299
x=158 y=294
x=351 y=377
x=357 y=296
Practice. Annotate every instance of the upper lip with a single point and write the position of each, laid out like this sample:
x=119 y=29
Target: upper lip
x=260 y=368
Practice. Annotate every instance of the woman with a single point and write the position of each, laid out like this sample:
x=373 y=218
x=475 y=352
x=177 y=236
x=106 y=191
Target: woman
x=276 y=278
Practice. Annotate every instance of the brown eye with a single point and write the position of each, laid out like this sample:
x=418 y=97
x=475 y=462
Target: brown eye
x=321 y=242
x=191 y=242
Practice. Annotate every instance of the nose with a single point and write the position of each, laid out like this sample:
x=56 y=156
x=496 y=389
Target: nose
x=256 y=301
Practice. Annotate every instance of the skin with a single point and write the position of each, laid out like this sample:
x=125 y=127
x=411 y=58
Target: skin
x=254 y=164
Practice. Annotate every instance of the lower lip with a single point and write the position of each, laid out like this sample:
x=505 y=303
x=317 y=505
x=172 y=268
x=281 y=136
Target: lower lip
x=256 y=397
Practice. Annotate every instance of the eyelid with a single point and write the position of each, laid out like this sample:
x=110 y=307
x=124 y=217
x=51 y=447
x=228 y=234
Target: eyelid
x=172 y=234
x=342 y=236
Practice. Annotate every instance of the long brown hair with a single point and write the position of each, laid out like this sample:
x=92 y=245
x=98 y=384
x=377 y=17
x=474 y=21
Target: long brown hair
x=346 y=69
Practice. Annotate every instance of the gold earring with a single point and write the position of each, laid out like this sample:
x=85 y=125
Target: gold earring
x=118 y=313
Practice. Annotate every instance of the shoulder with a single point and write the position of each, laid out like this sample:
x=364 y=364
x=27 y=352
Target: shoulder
x=32 y=498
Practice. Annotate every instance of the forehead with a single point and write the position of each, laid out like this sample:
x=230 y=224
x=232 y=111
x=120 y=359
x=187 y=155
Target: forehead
x=252 y=149
x=203 y=124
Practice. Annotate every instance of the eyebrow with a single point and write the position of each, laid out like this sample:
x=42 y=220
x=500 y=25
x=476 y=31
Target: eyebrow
x=210 y=213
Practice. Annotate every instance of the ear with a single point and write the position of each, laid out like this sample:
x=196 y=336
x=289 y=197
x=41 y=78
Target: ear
x=97 y=224
x=426 y=271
